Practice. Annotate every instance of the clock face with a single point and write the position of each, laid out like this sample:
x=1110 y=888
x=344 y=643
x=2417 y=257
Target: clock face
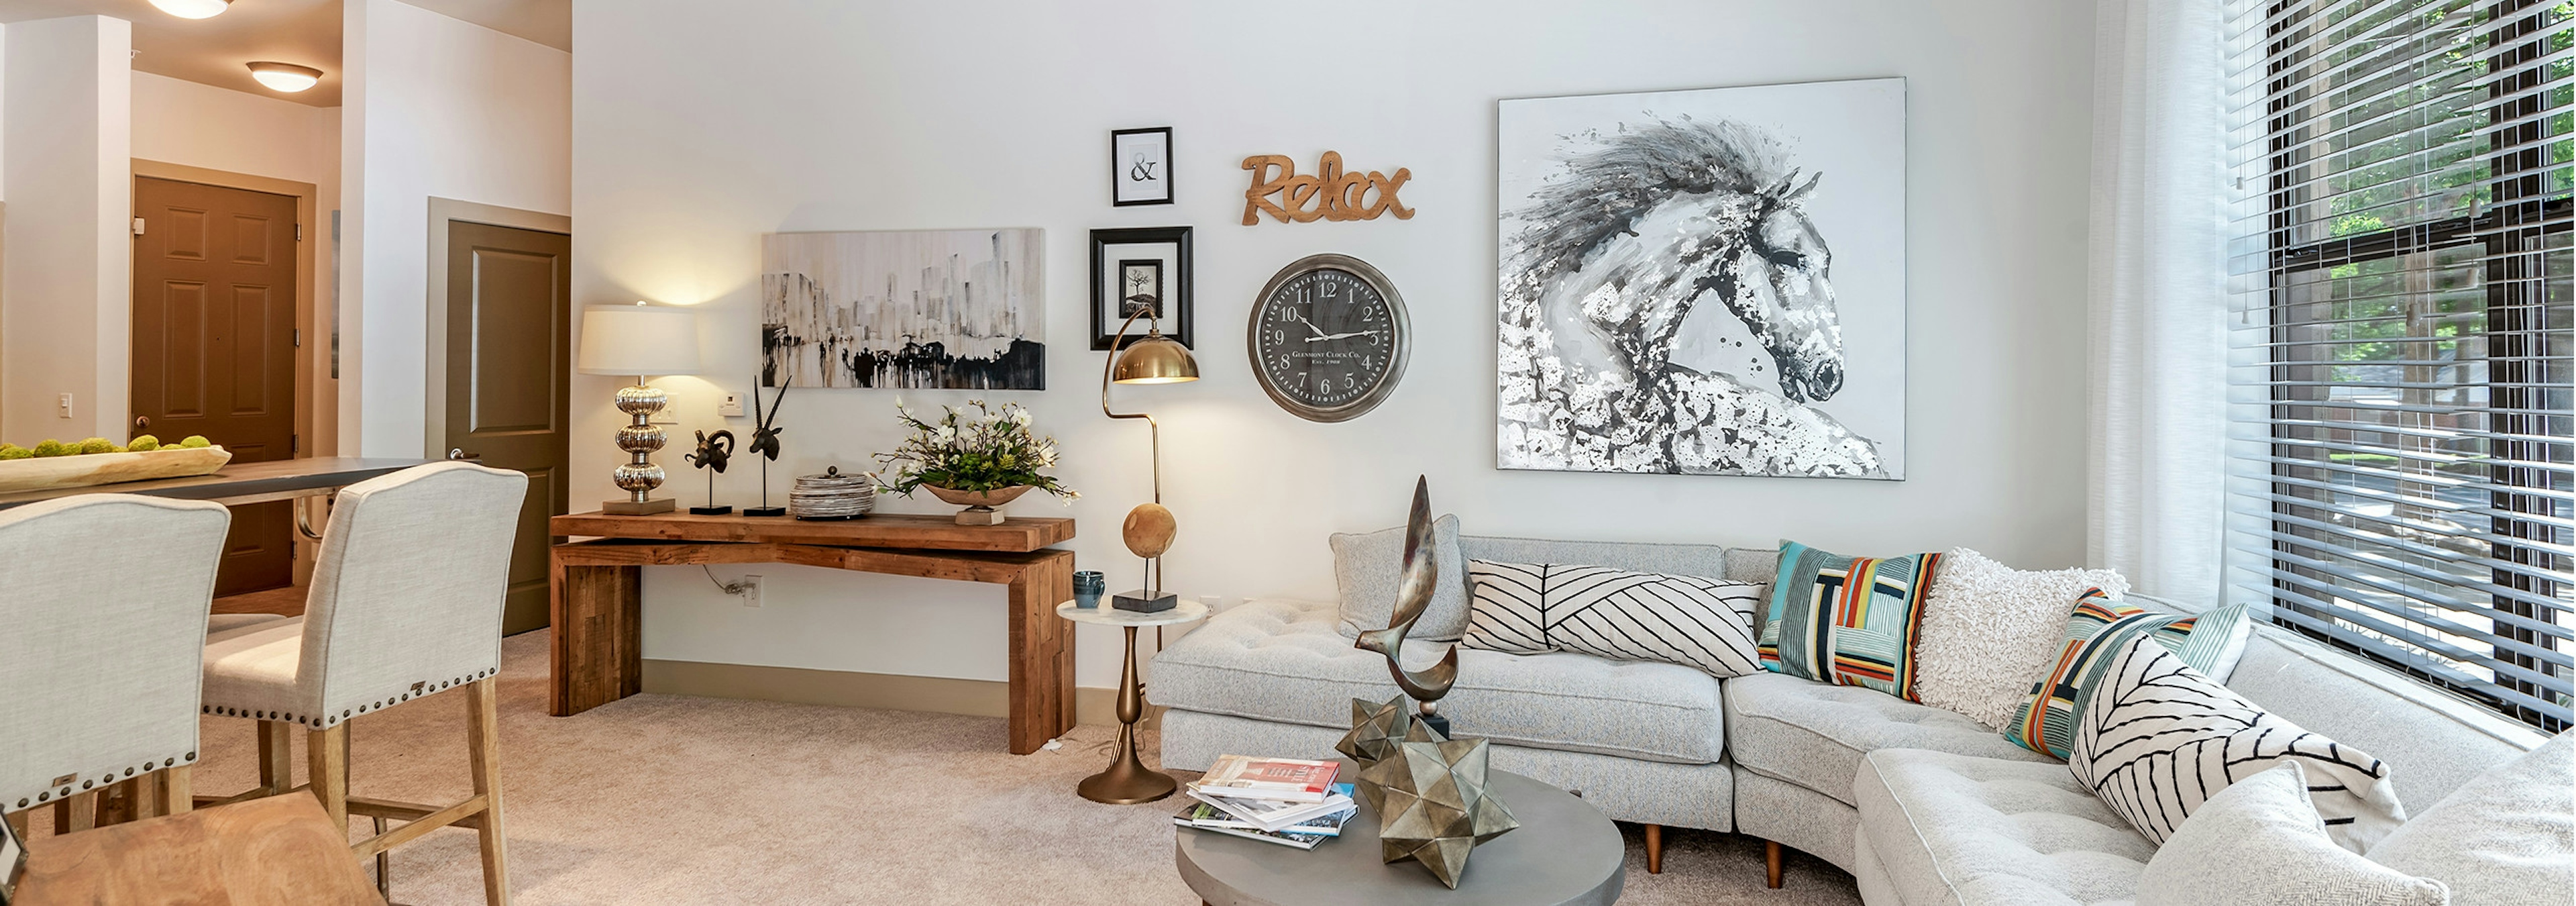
x=1328 y=337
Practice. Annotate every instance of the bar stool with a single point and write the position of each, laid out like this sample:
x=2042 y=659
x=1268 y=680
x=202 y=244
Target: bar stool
x=102 y=599
x=405 y=603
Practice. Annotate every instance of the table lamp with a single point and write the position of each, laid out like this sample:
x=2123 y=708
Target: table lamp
x=641 y=340
x=1154 y=359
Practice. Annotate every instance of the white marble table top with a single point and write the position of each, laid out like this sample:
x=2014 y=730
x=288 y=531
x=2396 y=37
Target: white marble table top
x=1104 y=615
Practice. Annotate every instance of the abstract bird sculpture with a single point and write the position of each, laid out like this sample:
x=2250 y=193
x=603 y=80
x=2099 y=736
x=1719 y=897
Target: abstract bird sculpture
x=1412 y=597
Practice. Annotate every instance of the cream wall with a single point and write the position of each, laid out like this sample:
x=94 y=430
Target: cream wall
x=695 y=133
x=63 y=308
x=433 y=106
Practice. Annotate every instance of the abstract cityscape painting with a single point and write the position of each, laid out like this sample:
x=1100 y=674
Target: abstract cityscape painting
x=1704 y=282
x=934 y=309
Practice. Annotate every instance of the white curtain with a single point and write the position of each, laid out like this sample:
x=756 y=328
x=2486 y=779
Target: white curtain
x=2159 y=304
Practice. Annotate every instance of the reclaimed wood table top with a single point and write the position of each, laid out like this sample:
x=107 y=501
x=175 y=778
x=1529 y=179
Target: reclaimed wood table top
x=240 y=482
x=279 y=850
x=896 y=530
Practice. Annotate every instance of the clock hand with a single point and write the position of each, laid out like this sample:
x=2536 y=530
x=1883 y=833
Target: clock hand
x=1310 y=325
x=1338 y=336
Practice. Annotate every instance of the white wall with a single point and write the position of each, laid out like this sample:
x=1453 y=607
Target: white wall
x=432 y=106
x=64 y=310
x=694 y=133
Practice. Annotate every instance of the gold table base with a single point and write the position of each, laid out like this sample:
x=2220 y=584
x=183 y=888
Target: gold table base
x=1128 y=781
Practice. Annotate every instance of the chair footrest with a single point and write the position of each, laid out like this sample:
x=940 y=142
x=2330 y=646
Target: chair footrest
x=422 y=820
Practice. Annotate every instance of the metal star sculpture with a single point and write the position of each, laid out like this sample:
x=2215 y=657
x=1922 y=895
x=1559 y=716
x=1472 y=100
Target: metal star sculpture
x=1376 y=730
x=1435 y=808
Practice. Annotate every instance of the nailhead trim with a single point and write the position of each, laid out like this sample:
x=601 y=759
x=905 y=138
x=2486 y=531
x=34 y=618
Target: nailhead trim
x=327 y=720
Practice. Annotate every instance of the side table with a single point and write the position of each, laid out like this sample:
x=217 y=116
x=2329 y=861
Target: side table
x=1127 y=781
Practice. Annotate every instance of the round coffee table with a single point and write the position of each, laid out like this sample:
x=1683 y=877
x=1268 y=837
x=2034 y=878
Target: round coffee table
x=1565 y=853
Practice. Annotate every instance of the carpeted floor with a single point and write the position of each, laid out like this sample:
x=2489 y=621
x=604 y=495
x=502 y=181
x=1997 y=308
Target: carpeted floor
x=665 y=799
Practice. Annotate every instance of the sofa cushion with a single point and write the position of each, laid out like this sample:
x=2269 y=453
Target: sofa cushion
x=1284 y=661
x=2210 y=642
x=2259 y=843
x=2506 y=838
x=1815 y=735
x=1368 y=567
x=1960 y=829
x=1847 y=620
x=1989 y=628
x=1536 y=608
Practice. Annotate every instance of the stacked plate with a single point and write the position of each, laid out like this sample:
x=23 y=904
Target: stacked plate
x=832 y=495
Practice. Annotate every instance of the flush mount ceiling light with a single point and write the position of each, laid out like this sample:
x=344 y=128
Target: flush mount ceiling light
x=193 y=9
x=286 y=77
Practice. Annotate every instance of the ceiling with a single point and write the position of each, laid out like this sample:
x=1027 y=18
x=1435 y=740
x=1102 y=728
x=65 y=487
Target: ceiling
x=307 y=32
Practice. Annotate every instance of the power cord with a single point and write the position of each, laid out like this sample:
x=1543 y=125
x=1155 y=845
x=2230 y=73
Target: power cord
x=720 y=586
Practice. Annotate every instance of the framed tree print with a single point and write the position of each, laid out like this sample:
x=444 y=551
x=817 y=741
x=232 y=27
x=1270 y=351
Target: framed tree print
x=1141 y=271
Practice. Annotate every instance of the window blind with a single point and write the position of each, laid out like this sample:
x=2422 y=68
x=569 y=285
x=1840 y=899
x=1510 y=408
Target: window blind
x=2402 y=452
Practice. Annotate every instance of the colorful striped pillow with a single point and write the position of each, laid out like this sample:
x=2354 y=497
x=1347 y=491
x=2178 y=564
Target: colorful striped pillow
x=1850 y=621
x=2209 y=642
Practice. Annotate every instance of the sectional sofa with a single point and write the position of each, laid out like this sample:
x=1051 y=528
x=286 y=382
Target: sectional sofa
x=1921 y=805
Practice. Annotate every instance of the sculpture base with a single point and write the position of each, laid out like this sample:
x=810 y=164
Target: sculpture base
x=1141 y=601
x=1439 y=723
x=764 y=511
x=979 y=515
x=636 y=508
x=709 y=510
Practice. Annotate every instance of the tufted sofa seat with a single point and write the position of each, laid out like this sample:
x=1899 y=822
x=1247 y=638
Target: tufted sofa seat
x=1956 y=829
x=1815 y=735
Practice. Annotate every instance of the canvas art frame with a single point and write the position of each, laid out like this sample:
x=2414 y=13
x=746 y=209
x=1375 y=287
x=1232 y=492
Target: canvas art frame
x=1140 y=166
x=1115 y=253
x=904 y=309
x=1706 y=281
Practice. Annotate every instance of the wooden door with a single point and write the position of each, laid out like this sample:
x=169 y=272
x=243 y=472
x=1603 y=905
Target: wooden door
x=214 y=346
x=509 y=327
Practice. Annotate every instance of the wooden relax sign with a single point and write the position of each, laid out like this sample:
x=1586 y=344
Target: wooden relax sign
x=1329 y=194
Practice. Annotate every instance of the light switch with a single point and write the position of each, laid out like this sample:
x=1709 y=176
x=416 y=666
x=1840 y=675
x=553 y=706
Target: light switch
x=63 y=406
x=732 y=405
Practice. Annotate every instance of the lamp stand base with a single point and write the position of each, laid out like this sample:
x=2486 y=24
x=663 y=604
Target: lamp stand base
x=764 y=511
x=633 y=508
x=709 y=510
x=1142 y=601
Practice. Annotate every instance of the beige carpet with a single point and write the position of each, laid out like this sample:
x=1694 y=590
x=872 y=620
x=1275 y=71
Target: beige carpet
x=665 y=799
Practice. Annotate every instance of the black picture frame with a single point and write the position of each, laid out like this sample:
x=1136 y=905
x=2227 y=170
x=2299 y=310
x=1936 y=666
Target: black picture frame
x=1121 y=165
x=1173 y=268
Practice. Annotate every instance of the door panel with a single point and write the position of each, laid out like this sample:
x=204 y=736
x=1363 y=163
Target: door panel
x=214 y=346
x=509 y=326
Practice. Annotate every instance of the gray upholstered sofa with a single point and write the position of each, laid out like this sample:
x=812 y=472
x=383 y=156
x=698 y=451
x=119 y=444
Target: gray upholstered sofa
x=1921 y=805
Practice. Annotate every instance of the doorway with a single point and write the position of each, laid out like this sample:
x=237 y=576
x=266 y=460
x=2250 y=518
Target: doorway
x=215 y=315
x=500 y=366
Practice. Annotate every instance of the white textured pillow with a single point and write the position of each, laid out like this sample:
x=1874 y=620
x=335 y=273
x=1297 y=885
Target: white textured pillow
x=2259 y=843
x=1533 y=608
x=2507 y=838
x=1989 y=628
x=2156 y=740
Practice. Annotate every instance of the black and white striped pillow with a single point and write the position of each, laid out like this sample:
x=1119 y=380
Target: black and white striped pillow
x=2157 y=739
x=1524 y=608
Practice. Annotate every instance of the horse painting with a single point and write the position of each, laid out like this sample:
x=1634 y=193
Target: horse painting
x=1620 y=254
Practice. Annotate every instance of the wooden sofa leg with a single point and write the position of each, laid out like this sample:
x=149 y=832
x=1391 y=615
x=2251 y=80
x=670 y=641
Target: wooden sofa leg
x=1654 y=849
x=1771 y=864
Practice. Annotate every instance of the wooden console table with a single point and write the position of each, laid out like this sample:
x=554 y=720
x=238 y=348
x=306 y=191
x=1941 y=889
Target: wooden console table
x=599 y=592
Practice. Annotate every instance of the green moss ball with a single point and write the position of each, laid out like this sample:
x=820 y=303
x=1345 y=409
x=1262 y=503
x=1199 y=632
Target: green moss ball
x=97 y=445
x=143 y=443
x=52 y=447
x=196 y=440
x=13 y=451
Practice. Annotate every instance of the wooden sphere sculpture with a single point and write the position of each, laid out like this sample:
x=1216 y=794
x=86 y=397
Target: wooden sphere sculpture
x=1149 y=530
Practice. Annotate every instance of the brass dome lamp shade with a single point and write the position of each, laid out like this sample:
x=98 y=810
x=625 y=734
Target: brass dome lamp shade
x=1149 y=529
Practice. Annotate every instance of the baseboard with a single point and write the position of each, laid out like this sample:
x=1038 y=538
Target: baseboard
x=852 y=689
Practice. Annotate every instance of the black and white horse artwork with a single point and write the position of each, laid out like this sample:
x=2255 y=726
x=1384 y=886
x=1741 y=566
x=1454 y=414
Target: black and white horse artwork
x=1641 y=232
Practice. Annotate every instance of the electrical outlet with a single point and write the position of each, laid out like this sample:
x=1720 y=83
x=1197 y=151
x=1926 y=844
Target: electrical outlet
x=748 y=589
x=732 y=405
x=63 y=406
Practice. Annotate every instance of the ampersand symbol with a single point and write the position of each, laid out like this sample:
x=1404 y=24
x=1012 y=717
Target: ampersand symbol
x=1143 y=171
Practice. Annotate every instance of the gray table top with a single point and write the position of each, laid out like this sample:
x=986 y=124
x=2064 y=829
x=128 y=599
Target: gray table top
x=241 y=482
x=1565 y=853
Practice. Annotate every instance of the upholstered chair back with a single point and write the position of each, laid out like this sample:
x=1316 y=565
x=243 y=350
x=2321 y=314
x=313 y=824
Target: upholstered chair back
x=407 y=592
x=103 y=603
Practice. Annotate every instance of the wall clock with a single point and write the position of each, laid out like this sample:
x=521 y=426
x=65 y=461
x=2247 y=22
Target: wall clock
x=1328 y=337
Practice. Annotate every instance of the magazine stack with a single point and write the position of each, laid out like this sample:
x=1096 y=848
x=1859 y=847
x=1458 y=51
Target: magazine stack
x=1288 y=801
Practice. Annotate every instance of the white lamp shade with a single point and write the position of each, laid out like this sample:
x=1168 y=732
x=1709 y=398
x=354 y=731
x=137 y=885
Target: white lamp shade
x=640 y=340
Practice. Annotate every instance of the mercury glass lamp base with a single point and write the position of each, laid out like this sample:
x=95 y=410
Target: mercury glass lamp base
x=638 y=508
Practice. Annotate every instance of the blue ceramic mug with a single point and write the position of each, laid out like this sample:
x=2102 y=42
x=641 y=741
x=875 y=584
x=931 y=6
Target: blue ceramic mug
x=1087 y=586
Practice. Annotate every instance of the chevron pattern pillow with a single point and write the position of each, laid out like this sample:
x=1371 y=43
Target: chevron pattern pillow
x=2158 y=739
x=1850 y=621
x=1524 y=608
x=2209 y=642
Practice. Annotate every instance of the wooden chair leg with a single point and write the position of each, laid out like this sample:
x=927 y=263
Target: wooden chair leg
x=1654 y=849
x=326 y=762
x=177 y=795
x=276 y=757
x=1771 y=864
x=482 y=738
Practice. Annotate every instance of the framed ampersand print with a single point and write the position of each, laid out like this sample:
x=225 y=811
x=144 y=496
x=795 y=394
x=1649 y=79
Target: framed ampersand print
x=1328 y=338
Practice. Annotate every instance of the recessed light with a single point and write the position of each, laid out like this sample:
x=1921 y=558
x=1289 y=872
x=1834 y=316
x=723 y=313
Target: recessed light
x=193 y=9
x=286 y=77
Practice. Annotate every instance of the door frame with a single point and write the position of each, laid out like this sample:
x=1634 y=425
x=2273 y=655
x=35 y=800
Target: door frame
x=314 y=385
x=442 y=211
